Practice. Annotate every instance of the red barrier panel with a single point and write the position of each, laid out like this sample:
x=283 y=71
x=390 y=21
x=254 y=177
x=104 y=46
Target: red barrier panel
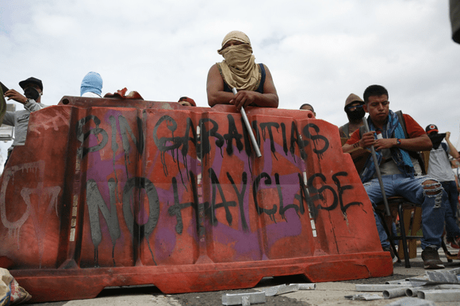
x=111 y=192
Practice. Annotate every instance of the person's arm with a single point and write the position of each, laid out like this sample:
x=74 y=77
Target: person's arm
x=268 y=99
x=215 y=88
x=33 y=106
x=9 y=118
x=418 y=140
x=29 y=104
x=217 y=95
x=346 y=148
x=452 y=150
x=16 y=96
x=419 y=143
x=356 y=141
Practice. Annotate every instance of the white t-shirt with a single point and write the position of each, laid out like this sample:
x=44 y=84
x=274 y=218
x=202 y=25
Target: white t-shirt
x=91 y=95
x=439 y=166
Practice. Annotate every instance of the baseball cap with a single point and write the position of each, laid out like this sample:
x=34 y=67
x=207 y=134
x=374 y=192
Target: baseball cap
x=431 y=128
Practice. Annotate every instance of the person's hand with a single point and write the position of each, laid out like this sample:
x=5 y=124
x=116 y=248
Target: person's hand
x=244 y=98
x=16 y=96
x=367 y=139
x=447 y=135
x=385 y=143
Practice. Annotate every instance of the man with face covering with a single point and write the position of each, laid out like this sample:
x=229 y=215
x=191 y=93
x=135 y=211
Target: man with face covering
x=33 y=90
x=355 y=113
x=91 y=85
x=238 y=70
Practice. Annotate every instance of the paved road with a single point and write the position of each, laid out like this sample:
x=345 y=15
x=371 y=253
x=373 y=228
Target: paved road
x=325 y=294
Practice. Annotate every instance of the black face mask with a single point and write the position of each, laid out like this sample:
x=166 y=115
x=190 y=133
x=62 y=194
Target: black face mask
x=436 y=139
x=31 y=93
x=356 y=114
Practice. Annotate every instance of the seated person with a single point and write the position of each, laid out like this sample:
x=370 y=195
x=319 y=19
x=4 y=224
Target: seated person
x=401 y=174
x=238 y=70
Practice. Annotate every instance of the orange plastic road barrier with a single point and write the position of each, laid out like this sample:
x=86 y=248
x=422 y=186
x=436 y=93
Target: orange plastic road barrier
x=110 y=192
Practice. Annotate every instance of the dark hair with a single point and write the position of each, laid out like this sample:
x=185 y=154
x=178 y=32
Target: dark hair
x=187 y=99
x=306 y=104
x=374 y=90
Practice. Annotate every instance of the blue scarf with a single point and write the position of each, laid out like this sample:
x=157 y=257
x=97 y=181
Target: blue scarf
x=402 y=159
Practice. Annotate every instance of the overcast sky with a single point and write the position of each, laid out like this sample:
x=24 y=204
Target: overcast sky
x=317 y=51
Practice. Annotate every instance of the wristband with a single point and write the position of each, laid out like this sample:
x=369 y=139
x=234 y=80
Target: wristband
x=398 y=141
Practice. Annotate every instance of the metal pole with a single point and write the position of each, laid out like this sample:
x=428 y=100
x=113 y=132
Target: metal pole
x=248 y=127
x=377 y=171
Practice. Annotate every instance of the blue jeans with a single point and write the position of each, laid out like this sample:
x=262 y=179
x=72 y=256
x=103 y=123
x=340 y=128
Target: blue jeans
x=433 y=209
x=451 y=209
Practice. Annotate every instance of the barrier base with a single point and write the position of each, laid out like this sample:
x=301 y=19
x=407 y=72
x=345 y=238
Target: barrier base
x=47 y=285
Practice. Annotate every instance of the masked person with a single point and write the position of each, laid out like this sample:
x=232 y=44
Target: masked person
x=31 y=99
x=355 y=113
x=439 y=168
x=238 y=70
x=91 y=85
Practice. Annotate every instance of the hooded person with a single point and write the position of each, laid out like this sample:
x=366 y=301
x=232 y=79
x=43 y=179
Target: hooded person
x=31 y=99
x=355 y=113
x=253 y=82
x=439 y=168
x=91 y=85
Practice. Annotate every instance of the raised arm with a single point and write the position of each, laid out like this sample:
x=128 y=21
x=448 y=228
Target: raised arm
x=452 y=150
x=12 y=94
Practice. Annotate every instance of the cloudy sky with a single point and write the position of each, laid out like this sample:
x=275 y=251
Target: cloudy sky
x=317 y=51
